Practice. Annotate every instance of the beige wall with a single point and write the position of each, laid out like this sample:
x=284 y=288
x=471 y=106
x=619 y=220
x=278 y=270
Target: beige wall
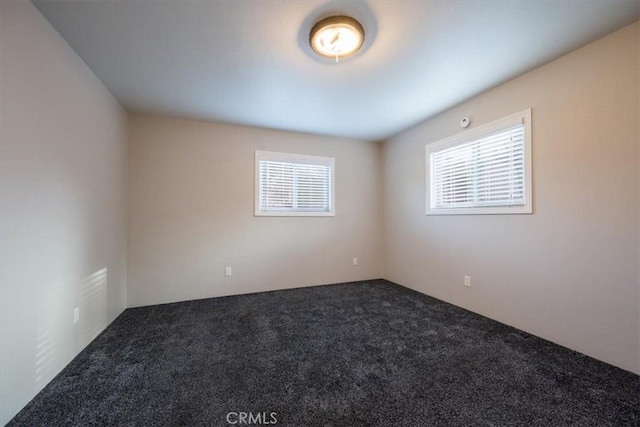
x=569 y=272
x=191 y=213
x=62 y=205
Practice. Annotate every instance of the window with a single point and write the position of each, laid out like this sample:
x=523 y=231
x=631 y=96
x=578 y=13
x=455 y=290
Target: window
x=294 y=185
x=486 y=170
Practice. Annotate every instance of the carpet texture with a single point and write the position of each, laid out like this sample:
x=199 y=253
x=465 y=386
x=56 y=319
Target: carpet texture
x=357 y=354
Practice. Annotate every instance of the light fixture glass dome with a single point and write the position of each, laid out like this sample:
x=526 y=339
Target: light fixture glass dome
x=336 y=37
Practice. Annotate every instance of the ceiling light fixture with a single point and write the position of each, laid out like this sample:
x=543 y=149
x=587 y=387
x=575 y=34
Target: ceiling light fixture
x=336 y=37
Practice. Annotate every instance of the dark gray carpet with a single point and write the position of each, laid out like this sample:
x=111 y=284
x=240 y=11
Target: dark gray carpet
x=357 y=354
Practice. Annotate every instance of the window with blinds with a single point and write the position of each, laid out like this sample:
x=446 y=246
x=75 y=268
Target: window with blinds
x=294 y=185
x=486 y=170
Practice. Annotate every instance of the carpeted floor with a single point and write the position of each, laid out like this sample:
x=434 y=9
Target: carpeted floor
x=357 y=354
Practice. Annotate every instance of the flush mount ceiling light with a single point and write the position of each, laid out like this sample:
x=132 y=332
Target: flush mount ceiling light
x=336 y=37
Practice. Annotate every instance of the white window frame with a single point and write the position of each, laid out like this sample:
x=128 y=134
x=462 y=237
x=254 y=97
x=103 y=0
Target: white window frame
x=523 y=117
x=300 y=159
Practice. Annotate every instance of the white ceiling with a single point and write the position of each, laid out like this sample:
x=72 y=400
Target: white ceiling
x=248 y=62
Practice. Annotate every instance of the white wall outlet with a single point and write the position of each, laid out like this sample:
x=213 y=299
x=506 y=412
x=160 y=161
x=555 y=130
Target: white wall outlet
x=76 y=315
x=355 y=261
x=467 y=281
x=227 y=271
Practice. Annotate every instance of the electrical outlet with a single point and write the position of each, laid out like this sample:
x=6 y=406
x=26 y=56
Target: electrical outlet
x=76 y=315
x=467 y=281
x=227 y=271
x=355 y=261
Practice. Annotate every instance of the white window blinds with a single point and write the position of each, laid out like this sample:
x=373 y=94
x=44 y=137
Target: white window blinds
x=291 y=184
x=482 y=170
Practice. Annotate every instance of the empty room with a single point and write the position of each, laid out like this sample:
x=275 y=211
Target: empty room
x=319 y=213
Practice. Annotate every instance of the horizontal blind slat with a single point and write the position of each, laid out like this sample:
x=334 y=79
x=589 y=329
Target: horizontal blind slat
x=287 y=186
x=483 y=172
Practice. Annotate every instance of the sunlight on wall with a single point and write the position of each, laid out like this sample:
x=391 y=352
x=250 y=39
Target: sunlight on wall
x=58 y=338
x=93 y=306
x=53 y=320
